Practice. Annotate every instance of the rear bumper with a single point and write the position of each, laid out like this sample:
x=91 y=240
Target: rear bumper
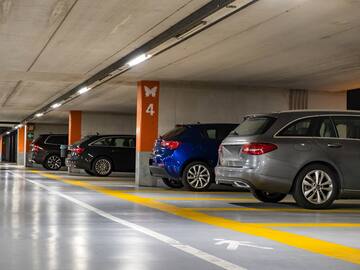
x=253 y=178
x=157 y=171
x=77 y=163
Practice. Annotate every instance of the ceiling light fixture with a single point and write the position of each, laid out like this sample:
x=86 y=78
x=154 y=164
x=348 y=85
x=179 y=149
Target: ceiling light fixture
x=8 y=132
x=84 y=90
x=39 y=115
x=139 y=59
x=56 y=105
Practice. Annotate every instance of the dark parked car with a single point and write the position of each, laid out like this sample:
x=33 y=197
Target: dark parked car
x=46 y=150
x=188 y=154
x=313 y=155
x=101 y=155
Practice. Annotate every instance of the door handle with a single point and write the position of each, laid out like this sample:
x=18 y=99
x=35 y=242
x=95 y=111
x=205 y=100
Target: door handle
x=334 y=145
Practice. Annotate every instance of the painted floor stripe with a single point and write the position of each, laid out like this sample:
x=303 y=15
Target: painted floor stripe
x=288 y=210
x=163 y=238
x=232 y=199
x=313 y=245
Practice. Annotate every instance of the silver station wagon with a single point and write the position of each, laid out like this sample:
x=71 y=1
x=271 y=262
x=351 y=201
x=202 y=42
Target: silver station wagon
x=313 y=155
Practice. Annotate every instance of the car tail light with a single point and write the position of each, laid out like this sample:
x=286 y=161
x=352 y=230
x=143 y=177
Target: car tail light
x=171 y=145
x=258 y=148
x=36 y=148
x=78 y=150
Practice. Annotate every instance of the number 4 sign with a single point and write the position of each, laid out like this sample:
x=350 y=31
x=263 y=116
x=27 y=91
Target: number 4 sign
x=150 y=109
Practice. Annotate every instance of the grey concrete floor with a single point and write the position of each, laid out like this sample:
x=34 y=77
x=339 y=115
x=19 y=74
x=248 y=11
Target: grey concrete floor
x=56 y=221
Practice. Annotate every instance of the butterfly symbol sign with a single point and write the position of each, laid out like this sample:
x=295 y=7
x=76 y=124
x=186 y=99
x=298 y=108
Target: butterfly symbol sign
x=150 y=92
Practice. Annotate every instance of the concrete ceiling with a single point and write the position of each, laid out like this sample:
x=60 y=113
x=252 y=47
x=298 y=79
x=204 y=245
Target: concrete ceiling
x=49 y=46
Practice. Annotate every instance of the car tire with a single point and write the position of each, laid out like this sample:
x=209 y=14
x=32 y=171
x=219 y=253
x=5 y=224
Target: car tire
x=89 y=172
x=172 y=183
x=52 y=162
x=198 y=176
x=102 y=167
x=316 y=187
x=268 y=197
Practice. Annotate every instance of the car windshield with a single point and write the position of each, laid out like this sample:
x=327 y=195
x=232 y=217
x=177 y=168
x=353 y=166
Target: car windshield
x=253 y=126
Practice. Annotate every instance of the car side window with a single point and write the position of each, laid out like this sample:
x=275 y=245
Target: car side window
x=104 y=142
x=57 y=140
x=347 y=127
x=326 y=128
x=125 y=142
x=301 y=128
x=211 y=133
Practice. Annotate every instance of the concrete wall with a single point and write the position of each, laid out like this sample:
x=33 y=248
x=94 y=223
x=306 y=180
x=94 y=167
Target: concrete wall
x=50 y=128
x=327 y=100
x=107 y=123
x=184 y=103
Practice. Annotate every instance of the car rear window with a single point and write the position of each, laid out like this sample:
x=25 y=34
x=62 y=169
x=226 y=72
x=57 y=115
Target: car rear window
x=253 y=126
x=174 y=133
x=39 y=139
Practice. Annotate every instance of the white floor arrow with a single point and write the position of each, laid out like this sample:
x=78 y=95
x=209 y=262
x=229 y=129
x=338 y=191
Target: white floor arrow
x=233 y=244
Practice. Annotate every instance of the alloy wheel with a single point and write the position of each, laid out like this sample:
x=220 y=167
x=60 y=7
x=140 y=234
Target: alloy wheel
x=54 y=162
x=198 y=176
x=103 y=166
x=317 y=187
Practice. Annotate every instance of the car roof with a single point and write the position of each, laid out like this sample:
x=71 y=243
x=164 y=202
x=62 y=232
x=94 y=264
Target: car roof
x=209 y=125
x=302 y=113
x=111 y=135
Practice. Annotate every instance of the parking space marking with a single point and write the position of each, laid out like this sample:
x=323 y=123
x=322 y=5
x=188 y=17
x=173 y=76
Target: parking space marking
x=330 y=225
x=313 y=245
x=232 y=199
x=291 y=210
x=161 y=237
x=171 y=191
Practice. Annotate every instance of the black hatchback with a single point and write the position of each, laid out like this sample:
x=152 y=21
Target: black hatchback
x=100 y=155
x=46 y=150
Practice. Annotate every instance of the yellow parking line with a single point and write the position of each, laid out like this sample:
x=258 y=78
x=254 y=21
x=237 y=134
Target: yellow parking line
x=291 y=210
x=322 y=247
x=330 y=225
x=175 y=191
x=205 y=199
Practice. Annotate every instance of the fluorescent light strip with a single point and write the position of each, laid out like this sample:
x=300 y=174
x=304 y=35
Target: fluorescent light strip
x=84 y=90
x=56 y=105
x=139 y=59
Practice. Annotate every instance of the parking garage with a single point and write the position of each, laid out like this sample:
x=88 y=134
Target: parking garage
x=218 y=134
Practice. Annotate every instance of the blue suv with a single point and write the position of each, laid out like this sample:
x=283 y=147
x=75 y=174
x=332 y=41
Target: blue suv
x=187 y=155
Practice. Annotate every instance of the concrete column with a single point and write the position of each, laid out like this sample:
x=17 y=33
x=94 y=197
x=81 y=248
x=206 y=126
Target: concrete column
x=146 y=129
x=21 y=147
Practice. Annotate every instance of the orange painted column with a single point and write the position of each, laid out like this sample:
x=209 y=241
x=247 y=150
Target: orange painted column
x=74 y=126
x=147 y=120
x=21 y=148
